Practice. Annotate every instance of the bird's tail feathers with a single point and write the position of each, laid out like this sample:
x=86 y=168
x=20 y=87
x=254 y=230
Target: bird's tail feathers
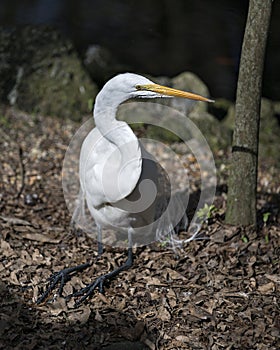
x=174 y=220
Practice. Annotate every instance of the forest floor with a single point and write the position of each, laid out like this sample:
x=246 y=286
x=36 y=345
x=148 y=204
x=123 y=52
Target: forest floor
x=218 y=293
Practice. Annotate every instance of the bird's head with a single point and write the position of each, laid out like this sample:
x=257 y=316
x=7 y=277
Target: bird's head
x=128 y=85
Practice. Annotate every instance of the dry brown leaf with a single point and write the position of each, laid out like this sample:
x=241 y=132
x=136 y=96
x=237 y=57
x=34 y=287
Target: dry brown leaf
x=163 y=313
x=200 y=313
x=58 y=306
x=15 y=221
x=273 y=278
x=153 y=281
x=103 y=298
x=121 y=304
x=172 y=299
x=2 y=267
x=80 y=315
x=98 y=317
x=13 y=278
x=174 y=275
x=236 y=294
x=222 y=274
x=6 y=249
x=182 y=338
x=22 y=229
x=266 y=288
x=40 y=238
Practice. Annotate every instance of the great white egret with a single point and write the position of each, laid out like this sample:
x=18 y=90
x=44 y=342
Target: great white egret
x=120 y=182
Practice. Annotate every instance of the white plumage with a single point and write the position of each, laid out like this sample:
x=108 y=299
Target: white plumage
x=120 y=182
x=119 y=179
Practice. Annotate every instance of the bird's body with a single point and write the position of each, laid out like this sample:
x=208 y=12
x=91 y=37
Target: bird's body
x=118 y=177
x=112 y=180
x=121 y=183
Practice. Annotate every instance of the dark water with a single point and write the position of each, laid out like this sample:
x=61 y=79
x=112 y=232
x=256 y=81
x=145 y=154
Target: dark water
x=159 y=37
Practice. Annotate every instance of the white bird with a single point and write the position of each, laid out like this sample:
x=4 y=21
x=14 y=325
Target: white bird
x=120 y=182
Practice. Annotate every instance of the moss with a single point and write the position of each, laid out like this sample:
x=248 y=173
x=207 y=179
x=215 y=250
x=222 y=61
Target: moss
x=4 y=121
x=60 y=88
x=157 y=133
x=52 y=80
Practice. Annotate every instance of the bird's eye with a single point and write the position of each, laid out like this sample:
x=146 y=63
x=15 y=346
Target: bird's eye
x=138 y=87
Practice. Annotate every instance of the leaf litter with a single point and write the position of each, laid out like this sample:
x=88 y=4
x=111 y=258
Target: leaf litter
x=220 y=293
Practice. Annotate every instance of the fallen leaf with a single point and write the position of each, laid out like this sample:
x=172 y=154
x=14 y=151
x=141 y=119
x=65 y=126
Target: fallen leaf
x=15 y=221
x=164 y=314
x=174 y=275
x=81 y=315
x=40 y=238
x=13 y=278
x=273 y=278
x=182 y=338
x=6 y=249
x=266 y=288
x=58 y=306
x=98 y=317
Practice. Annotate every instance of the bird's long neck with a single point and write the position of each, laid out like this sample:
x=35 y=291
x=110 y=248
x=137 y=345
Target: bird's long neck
x=115 y=131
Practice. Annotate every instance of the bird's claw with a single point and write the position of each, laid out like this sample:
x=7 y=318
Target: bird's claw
x=65 y=275
x=53 y=281
x=61 y=277
x=89 y=289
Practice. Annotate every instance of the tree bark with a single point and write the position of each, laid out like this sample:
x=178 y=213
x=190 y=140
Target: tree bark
x=242 y=185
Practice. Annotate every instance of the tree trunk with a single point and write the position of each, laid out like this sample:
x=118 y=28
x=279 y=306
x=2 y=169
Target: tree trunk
x=242 y=185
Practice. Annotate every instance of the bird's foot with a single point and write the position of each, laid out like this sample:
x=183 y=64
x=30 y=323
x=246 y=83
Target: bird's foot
x=65 y=275
x=87 y=291
x=99 y=282
x=61 y=278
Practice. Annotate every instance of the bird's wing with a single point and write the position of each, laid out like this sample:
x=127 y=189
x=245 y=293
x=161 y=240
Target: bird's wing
x=109 y=173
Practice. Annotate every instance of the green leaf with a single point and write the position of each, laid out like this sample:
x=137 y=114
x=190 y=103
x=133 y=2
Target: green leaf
x=266 y=216
x=245 y=239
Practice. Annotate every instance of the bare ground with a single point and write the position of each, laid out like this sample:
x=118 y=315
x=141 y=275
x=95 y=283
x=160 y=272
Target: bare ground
x=219 y=293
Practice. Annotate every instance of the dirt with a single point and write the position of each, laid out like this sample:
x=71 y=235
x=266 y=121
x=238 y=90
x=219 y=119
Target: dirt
x=217 y=293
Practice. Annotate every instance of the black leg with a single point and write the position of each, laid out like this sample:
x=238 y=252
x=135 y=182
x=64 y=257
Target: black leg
x=99 y=248
x=65 y=275
x=99 y=282
x=60 y=277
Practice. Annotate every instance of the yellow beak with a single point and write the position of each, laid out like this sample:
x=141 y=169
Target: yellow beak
x=167 y=91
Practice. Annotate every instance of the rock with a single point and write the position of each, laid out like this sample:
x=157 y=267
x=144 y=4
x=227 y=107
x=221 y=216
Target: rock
x=217 y=134
x=41 y=73
x=186 y=81
x=269 y=132
x=156 y=121
x=267 y=109
x=150 y=120
x=229 y=119
x=267 y=112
